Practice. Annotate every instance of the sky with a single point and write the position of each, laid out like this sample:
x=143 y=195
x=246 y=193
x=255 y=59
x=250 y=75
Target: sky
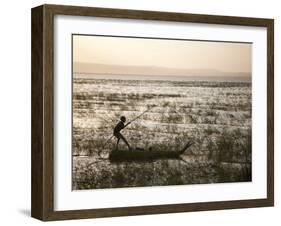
x=109 y=55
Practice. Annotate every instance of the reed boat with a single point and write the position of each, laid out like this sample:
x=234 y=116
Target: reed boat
x=139 y=154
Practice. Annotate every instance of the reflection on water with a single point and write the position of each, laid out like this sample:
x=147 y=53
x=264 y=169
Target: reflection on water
x=92 y=172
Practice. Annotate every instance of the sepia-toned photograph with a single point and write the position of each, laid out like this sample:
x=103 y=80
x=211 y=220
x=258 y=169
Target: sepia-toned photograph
x=158 y=112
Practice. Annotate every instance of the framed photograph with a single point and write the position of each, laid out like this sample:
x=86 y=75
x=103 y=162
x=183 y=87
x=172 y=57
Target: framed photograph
x=142 y=112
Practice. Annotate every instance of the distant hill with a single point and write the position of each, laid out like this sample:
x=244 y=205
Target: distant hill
x=111 y=70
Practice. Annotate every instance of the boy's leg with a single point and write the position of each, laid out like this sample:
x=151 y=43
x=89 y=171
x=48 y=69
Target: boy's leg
x=118 y=139
x=124 y=139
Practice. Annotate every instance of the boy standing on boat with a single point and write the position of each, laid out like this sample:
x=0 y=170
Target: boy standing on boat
x=117 y=131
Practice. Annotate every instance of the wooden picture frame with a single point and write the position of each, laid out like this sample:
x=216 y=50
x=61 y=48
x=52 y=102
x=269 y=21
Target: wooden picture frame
x=42 y=203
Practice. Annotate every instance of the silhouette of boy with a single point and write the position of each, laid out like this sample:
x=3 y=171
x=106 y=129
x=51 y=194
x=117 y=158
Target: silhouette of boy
x=116 y=132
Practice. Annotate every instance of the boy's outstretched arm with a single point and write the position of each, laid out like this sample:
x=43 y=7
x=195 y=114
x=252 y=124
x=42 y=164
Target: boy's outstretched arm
x=127 y=124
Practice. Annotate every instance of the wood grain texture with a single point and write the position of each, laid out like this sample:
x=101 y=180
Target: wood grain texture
x=155 y=15
x=43 y=121
x=42 y=113
x=37 y=159
x=270 y=111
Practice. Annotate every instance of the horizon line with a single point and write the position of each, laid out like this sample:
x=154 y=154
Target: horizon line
x=152 y=66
